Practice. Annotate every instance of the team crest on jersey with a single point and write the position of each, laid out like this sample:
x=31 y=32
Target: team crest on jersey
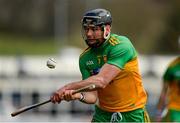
x=105 y=58
x=100 y=58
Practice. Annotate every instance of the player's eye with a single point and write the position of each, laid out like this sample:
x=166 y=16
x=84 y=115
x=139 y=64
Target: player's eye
x=95 y=28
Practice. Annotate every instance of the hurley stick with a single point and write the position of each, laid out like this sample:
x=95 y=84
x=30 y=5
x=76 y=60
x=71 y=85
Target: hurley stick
x=26 y=108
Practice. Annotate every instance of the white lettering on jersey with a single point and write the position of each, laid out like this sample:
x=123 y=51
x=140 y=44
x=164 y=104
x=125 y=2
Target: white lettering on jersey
x=89 y=62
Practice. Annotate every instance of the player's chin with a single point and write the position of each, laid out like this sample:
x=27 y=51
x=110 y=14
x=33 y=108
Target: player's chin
x=91 y=42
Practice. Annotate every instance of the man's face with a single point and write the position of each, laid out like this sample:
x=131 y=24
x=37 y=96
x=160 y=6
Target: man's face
x=94 y=35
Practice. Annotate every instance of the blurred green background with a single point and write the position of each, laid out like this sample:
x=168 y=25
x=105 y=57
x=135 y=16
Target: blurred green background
x=44 y=26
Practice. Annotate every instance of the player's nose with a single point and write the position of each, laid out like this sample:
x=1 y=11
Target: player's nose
x=89 y=32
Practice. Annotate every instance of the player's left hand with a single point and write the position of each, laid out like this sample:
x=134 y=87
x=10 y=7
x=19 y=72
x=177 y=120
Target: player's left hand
x=68 y=95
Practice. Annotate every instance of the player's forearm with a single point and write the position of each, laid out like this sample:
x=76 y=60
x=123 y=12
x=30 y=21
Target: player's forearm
x=97 y=81
x=76 y=85
x=162 y=99
x=106 y=75
x=161 y=102
x=101 y=80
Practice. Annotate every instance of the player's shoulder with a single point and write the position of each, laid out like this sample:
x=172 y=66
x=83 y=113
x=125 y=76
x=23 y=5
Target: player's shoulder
x=118 y=39
x=85 y=51
x=175 y=62
x=172 y=70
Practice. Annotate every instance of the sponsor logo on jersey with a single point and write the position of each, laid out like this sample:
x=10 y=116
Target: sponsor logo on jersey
x=90 y=62
x=95 y=71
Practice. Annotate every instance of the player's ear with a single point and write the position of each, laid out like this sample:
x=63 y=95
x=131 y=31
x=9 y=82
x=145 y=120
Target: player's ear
x=107 y=30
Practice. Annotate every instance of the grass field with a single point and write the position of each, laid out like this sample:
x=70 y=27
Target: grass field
x=26 y=45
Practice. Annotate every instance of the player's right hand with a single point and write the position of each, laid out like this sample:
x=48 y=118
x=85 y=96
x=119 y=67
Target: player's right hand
x=57 y=96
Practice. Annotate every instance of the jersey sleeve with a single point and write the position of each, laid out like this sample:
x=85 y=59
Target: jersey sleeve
x=120 y=54
x=84 y=72
x=172 y=73
x=167 y=75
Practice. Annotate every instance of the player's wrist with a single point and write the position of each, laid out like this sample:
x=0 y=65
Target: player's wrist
x=82 y=97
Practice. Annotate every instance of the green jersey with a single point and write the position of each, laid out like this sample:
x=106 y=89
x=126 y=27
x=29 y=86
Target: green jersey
x=172 y=76
x=118 y=50
x=125 y=92
x=173 y=71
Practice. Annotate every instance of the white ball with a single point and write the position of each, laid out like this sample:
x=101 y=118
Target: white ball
x=51 y=63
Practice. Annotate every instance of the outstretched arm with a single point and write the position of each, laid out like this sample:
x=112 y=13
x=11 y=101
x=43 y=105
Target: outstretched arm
x=101 y=80
x=162 y=101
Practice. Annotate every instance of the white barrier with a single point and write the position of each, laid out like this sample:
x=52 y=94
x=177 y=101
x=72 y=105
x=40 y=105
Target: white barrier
x=68 y=66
